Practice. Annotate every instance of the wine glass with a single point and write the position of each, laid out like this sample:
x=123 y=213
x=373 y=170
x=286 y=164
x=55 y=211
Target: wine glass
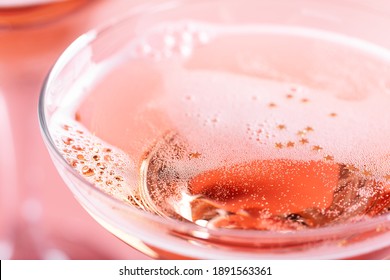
x=223 y=129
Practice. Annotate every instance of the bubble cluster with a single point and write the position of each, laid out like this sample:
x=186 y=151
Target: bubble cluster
x=171 y=40
x=106 y=167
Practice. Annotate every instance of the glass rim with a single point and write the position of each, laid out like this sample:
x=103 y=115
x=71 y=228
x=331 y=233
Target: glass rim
x=182 y=226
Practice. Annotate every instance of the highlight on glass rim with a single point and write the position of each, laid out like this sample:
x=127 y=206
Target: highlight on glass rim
x=192 y=134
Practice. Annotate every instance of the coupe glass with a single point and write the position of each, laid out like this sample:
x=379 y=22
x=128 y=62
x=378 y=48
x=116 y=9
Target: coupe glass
x=165 y=238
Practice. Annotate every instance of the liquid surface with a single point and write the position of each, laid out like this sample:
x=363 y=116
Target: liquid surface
x=244 y=127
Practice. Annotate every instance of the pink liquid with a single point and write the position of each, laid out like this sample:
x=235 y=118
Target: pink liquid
x=245 y=127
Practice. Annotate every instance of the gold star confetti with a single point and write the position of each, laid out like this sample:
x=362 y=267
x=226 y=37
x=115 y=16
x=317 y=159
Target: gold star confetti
x=278 y=145
x=351 y=168
x=328 y=157
x=289 y=96
x=317 y=148
x=304 y=100
x=387 y=177
x=281 y=126
x=272 y=105
x=309 y=128
x=333 y=115
x=194 y=155
x=304 y=141
x=290 y=144
x=301 y=133
x=367 y=172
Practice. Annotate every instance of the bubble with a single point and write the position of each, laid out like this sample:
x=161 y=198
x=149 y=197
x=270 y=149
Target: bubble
x=88 y=171
x=67 y=140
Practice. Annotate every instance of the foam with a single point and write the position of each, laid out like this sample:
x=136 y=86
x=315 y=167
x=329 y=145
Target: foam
x=225 y=116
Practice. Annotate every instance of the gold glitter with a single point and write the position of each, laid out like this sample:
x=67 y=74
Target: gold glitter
x=351 y=168
x=328 y=157
x=80 y=157
x=304 y=141
x=301 y=133
x=66 y=127
x=87 y=171
x=317 y=148
x=309 y=128
x=119 y=178
x=96 y=158
x=279 y=145
x=333 y=115
x=367 y=172
x=272 y=105
x=67 y=140
x=290 y=144
x=78 y=148
x=108 y=158
x=281 y=126
x=194 y=155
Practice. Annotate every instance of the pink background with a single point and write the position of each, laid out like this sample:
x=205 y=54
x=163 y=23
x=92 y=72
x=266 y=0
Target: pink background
x=39 y=218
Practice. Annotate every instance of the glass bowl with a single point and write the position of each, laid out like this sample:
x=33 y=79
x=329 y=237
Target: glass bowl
x=85 y=63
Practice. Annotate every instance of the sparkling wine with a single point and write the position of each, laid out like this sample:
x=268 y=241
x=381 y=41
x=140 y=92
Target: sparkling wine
x=16 y=13
x=243 y=127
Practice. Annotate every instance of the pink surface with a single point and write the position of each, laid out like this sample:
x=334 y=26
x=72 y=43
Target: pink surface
x=39 y=218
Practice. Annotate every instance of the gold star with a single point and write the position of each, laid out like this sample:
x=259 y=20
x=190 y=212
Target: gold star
x=304 y=100
x=309 y=128
x=387 y=177
x=333 y=115
x=290 y=144
x=301 y=133
x=303 y=141
x=281 y=126
x=351 y=168
x=328 y=157
x=195 y=155
x=272 y=105
x=289 y=96
x=278 y=145
x=317 y=148
x=367 y=172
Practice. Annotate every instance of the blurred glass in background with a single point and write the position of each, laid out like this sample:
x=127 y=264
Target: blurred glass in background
x=39 y=218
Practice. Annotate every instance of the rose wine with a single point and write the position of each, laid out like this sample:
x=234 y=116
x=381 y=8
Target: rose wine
x=15 y=13
x=240 y=127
